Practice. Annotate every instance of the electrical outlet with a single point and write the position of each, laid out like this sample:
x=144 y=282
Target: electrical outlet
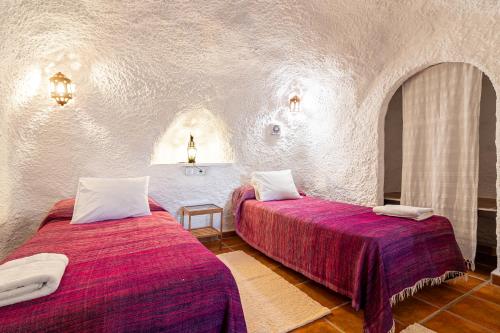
x=196 y=171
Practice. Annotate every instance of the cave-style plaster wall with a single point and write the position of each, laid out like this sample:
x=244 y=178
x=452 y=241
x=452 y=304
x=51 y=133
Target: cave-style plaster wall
x=140 y=65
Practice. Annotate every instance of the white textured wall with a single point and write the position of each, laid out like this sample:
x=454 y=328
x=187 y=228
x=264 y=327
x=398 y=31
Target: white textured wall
x=170 y=186
x=139 y=65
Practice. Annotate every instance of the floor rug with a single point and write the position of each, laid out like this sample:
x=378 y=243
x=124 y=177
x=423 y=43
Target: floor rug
x=416 y=328
x=270 y=303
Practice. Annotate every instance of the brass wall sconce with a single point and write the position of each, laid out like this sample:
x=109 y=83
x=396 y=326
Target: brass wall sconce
x=61 y=88
x=191 y=150
x=295 y=104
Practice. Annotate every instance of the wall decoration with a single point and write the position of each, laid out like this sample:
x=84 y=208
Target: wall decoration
x=61 y=88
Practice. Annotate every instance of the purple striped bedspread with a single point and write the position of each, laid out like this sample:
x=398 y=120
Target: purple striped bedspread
x=143 y=274
x=367 y=257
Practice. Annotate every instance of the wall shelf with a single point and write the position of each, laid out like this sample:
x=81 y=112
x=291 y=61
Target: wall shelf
x=185 y=164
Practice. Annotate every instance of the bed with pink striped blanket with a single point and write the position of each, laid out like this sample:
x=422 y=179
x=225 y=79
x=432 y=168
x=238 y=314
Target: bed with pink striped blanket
x=374 y=260
x=141 y=274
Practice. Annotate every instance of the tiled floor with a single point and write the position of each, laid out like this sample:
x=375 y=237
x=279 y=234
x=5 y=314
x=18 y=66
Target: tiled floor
x=455 y=306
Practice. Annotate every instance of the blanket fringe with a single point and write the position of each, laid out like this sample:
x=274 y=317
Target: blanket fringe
x=410 y=291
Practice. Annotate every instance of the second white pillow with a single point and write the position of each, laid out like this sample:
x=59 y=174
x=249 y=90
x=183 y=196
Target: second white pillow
x=274 y=185
x=100 y=199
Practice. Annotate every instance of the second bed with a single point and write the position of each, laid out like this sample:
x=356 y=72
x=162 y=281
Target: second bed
x=375 y=260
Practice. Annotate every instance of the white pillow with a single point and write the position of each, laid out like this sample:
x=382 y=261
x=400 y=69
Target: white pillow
x=100 y=199
x=274 y=185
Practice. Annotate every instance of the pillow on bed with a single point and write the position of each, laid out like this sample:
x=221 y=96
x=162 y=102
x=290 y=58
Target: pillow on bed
x=274 y=185
x=100 y=199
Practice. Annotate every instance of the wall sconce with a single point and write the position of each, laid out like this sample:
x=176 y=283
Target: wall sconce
x=61 y=88
x=295 y=104
x=191 y=150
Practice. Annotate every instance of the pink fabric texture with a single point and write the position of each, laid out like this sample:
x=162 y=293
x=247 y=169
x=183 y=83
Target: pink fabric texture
x=349 y=249
x=142 y=274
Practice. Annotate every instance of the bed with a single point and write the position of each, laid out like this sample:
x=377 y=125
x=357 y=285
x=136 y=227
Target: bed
x=143 y=274
x=374 y=260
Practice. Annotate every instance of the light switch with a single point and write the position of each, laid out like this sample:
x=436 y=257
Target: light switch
x=275 y=129
x=195 y=170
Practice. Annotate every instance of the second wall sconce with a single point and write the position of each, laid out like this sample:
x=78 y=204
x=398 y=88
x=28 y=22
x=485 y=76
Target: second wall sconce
x=295 y=104
x=61 y=88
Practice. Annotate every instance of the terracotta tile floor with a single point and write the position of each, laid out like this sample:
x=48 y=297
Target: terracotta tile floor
x=455 y=306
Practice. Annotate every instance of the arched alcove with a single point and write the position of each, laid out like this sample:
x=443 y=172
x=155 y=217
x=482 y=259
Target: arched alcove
x=210 y=135
x=390 y=161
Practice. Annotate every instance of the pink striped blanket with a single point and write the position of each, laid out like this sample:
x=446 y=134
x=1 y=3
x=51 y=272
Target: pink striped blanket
x=142 y=274
x=374 y=260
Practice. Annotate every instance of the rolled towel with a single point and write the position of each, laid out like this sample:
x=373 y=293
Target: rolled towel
x=409 y=212
x=31 y=277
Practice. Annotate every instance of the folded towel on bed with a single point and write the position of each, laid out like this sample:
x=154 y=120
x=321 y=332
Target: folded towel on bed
x=31 y=277
x=409 y=212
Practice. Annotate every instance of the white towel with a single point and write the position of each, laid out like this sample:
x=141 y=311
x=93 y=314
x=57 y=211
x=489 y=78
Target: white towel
x=31 y=277
x=409 y=212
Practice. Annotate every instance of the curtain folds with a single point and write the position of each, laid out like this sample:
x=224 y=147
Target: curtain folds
x=441 y=146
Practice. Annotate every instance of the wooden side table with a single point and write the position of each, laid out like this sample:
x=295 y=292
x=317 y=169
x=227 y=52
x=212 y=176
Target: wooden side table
x=204 y=232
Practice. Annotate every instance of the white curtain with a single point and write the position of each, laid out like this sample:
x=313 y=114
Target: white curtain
x=441 y=146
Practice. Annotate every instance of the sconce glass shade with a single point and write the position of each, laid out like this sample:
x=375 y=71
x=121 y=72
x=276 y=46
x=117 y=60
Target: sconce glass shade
x=61 y=88
x=191 y=150
x=295 y=104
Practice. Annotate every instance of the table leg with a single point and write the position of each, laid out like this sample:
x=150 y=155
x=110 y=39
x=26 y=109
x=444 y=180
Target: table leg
x=221 y=223
x=189 y=222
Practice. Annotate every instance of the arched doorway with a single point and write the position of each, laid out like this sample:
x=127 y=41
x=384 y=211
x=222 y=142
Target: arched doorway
x=393 y=151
